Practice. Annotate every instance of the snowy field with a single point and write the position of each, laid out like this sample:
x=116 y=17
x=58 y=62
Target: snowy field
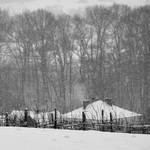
x=50 y=139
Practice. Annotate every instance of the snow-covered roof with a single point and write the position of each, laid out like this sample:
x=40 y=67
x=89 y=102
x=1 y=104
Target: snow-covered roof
x=94 y=111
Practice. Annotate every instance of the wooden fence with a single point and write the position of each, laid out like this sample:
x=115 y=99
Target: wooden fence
x=73 y=124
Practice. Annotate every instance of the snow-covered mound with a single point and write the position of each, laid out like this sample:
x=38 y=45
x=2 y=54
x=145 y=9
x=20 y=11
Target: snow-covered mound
x=50 y=139
x=46 y=116
x=94 y=111
x=17 y=113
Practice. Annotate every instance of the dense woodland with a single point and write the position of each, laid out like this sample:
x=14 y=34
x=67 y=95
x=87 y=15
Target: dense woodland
x=49 y=61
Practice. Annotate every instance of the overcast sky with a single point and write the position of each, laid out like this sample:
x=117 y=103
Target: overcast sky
x=59 y=6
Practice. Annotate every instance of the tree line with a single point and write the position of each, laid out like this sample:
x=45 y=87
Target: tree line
x=47 y=60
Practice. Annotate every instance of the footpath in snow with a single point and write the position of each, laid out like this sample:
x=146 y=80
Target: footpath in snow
x=50 y=139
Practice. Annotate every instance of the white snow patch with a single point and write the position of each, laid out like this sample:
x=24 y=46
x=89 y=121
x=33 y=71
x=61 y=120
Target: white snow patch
x=40 y=116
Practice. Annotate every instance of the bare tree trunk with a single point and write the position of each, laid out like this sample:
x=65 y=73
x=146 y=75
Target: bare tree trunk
x=146 y=74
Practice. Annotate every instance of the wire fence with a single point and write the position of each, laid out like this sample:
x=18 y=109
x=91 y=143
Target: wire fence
x=53 y=121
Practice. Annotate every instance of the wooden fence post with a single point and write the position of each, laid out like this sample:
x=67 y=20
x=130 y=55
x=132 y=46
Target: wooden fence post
x=102 y=120
x=55 y=120
x=83 y=121
x=111 y=120
x=26 y=117
x=6 y=119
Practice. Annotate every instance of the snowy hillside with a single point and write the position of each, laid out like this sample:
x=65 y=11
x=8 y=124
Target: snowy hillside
x=50 y=139
x=94 y=111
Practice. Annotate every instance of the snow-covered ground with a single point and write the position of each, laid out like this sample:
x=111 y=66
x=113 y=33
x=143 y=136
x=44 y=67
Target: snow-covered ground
x=50 y=139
